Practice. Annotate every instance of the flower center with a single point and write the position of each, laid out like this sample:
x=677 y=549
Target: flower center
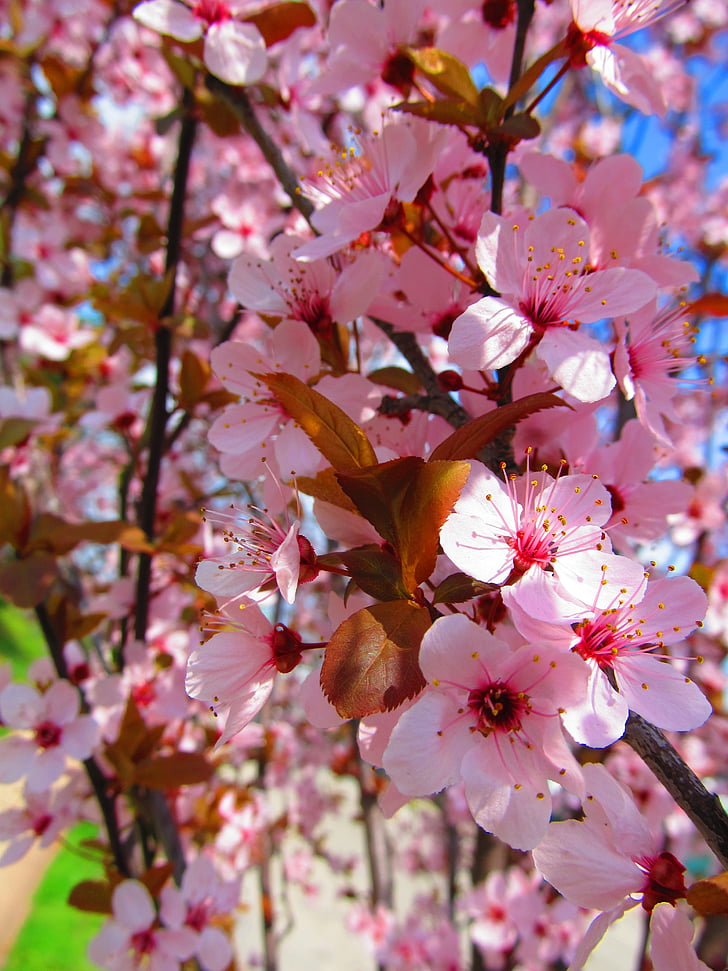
x=48 y=735
x=143 y=942
x=212 y=11
x=665 y=881
x=597 y=643
x=579 y=43
x=497 y=708
x=498 y=14
x=399 y=71
x=286 y=646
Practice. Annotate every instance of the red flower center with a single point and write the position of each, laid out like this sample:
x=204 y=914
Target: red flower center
x=286 y=645
x=497 y=708
x=665 y=881
x=579 y=43
x=48 y=735
x=498 y=13
x=212 y=11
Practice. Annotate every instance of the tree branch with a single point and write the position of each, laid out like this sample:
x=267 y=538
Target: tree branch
x=703 y=808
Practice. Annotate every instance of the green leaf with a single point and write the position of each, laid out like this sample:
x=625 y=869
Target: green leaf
x=13 y=431
x=520 y=127
x=533 y=73
x=371 y=661
x=466 y=441
x=445 y=72
x=335 y=435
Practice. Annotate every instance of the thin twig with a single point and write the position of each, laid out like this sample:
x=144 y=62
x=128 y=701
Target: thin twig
x=237 y=100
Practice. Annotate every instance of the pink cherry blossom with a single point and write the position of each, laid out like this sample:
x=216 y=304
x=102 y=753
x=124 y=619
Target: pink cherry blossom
x=540 y=266
x=314 y=293
x=617 y=632
x=233 y=672
x=261 y=553
x=671 y=935
x=133 y=940
x=652 y=348
x=257 y=434
x=499 y=530
x=234 y=51
x=597 y=24
x=489 y=717
x=49 y=730
x=201 y=897
x=358 y=191
x=609 y=861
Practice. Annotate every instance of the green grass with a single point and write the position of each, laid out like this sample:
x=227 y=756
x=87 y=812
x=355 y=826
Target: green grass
x=21 y=640
x=55 y=936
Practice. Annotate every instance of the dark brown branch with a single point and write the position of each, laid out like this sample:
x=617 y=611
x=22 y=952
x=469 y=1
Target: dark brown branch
x=703 y=808
x=98 y=780
x=156 y=431
x=237 y=100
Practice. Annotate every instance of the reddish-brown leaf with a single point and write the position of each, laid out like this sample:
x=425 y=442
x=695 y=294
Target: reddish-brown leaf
x=27 y=581
x=335 y=435
x=407 y=500
x=466 y=441
x=172 y=771
x=459 y=588
x=280 y=20
x=372 y=659
x=91 y=896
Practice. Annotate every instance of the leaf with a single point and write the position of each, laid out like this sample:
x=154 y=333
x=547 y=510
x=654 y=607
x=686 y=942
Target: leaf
x=396 y=377
x=165 y=772
x=459 y=588
x=466 y=441
x=14 y=511
x=375 y=571
x=407 y=500
x=371 y=662
x=444 y=111
x=13 y=431
x=91 y=896
x=53 y=533
x=710 y=896
x=424 y=508
x=518 y=127
x=27 y=581
x=325 y=486
x=710 y=304
x=445 y=72
x=335 y=435
x=279 y=21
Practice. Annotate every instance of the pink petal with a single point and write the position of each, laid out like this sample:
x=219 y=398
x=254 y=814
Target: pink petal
x=133 y=906
x=169 y=17
x=235 y=52
x=661 y=694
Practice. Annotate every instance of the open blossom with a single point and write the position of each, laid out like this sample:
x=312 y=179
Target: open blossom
x=358 y=192
x=651 y=349
x=234 y=671
x=540 y=266
x=489 y=717
x=609 y=861
x=234 y=51
x=499 y=531
x=202 y=896
x=591 y=39
x=671 y=936
x=257 y=433
x=262 y=555
x=619 y=625
x=50 y=730
x=134 y=939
